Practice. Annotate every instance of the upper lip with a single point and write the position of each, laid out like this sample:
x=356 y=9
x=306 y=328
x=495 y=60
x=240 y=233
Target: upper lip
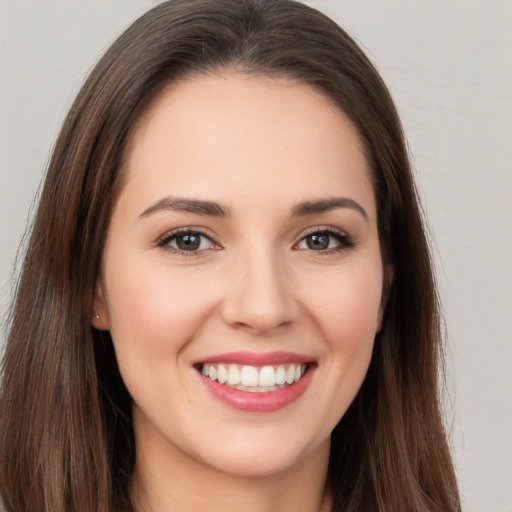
x=257 y=359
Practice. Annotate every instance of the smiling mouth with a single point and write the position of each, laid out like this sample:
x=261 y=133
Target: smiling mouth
x=254 y=379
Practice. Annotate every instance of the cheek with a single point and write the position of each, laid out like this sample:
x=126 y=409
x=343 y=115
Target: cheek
x=347 y=307
x=155 y=312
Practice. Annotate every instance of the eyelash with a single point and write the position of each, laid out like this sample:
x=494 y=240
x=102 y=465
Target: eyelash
x=166 y=239
x=345 y=242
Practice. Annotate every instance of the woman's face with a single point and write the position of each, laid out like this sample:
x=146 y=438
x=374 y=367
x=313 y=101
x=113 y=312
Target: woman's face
x=242 y=276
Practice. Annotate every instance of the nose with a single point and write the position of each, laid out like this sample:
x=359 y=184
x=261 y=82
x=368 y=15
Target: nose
x=259 y=294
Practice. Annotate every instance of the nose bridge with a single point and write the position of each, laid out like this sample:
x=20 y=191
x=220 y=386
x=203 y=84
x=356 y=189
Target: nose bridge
x=260 y=290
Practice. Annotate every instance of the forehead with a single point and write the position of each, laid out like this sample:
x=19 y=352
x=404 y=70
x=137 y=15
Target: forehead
x=208 y=134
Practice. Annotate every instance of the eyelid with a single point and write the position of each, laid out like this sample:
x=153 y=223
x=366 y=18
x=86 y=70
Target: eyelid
x=322 y=229
x=346 y=241
x=164 y=239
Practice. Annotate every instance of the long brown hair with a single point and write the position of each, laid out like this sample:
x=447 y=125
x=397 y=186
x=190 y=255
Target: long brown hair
x=66 y=438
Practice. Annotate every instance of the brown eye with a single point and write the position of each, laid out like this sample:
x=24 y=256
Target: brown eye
x=325 y=241
x=318 y=242
x=189 y=242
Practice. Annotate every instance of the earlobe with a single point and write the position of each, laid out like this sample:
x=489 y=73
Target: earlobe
x=100 y=318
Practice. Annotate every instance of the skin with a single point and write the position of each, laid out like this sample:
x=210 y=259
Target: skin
x=258 y=147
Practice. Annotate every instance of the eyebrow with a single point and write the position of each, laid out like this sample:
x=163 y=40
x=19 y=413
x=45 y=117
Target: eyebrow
x=186 y=205
x=213 y=209
x=325 y=205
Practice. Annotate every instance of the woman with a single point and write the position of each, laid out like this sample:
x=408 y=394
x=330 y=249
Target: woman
x=227 y=299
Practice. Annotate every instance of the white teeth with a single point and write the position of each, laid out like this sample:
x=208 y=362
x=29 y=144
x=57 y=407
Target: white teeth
x=280 y=375
x=252 y=379
x=233 y=375
x=290 y=374
x=248 y=376
x=212 y=372
x=267 y=377
x=222 y=374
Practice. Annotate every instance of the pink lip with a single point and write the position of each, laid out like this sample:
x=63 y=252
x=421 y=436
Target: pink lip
x=254 y=359
x=258 y=402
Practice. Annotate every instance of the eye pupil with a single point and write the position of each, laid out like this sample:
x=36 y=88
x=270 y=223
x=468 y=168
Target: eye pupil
x=190 y=242
x=318 y=242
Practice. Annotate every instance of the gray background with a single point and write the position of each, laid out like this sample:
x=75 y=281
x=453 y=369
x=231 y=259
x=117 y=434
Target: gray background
x=448 y=65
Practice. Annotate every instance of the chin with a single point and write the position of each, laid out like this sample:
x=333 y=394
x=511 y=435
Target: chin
x=254 y=458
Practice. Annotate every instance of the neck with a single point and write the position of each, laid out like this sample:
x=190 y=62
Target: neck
x=171 y=480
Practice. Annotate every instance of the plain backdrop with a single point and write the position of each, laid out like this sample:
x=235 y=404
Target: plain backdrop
x=448 y=65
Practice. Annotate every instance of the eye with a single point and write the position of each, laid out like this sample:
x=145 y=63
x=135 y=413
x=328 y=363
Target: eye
x=187 y=241
x=326 y=241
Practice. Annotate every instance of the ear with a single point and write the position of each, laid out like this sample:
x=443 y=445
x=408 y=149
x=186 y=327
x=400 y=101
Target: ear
x=389 y=273
x=100 y=319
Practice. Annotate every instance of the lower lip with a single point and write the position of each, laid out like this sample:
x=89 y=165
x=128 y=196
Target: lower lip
x=258 y=402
